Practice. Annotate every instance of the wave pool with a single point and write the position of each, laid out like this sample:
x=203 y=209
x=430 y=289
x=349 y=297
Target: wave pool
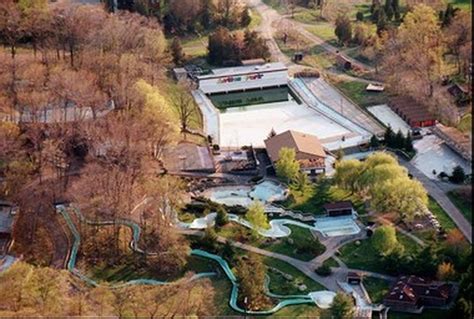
x=266 y=191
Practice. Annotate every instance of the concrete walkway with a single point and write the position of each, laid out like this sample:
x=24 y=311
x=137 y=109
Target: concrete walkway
x=307 y=268
x=443 y=200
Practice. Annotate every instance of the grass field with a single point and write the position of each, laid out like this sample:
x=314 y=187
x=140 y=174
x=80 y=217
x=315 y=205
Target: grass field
x=365 y=257
x=377 y=288
x=444 y=220
x=463 y=205
x=298 y=235
x=281 y=246
x=278 y=284
x=356 y=92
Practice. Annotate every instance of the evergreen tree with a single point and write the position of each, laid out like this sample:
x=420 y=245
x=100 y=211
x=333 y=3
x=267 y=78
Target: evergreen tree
x=409 y=143
x=399 y=141
x=374 y=142
x=389 y=136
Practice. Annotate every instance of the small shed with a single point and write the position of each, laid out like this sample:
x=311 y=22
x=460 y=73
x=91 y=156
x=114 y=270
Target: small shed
x=342 y=208
x=353 y=278
x=343 y=62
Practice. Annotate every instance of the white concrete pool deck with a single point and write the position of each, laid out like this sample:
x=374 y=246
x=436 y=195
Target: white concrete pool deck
x=251 y=125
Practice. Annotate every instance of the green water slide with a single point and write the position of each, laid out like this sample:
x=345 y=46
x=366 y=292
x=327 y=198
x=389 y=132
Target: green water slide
x=71 y=265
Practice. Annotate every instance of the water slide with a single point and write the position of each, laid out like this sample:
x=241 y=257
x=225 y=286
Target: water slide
x=71 y=266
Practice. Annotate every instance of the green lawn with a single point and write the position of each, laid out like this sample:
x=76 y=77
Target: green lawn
x=282 y=246
x=444 y=220
x=298 y=235
x=279 y=285
x=325 y=31
x=365 y=257
x=356 y=92
x=463 y=205
x=377 y=288
x=323 y=192
x=330 y=262
x=194 y=46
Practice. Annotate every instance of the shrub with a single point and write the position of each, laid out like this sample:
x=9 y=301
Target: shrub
x=458 y=176
x=360 y=16
x=221 y=218
x=323 y=270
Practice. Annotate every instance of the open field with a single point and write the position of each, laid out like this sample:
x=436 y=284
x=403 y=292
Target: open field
x=365 y=257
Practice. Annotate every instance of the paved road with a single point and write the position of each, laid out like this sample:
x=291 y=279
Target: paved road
x=271 y=17
x=443 y=200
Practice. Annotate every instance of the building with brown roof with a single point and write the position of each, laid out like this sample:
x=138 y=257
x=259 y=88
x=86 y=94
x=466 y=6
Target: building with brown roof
x=412 y=112
x=413 y=293
x=338 y=208
x=309 y=151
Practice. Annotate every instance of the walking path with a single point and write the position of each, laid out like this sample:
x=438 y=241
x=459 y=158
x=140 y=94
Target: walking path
x=442 y=199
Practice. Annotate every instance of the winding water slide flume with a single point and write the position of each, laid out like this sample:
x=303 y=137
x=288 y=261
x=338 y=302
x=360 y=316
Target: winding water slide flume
x=71 y=266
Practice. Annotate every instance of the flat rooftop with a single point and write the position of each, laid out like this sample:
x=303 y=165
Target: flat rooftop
x=241 y=70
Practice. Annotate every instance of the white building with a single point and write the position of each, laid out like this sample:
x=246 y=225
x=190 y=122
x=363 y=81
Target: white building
x=242 y=78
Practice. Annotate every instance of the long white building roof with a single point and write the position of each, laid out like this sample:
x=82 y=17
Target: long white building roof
x=243 y=70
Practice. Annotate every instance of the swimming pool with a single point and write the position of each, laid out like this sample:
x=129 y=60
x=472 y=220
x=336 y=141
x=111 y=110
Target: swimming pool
x=337 y=226
x=266 y=191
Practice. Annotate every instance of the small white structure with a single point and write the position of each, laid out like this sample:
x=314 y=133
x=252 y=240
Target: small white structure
x=374 y=87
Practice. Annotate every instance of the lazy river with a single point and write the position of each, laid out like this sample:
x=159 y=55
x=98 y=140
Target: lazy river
x=320 y=298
